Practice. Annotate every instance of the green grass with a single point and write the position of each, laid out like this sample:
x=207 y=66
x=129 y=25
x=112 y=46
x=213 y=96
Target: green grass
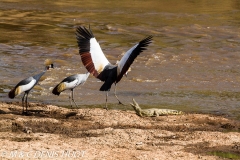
x=224 y=154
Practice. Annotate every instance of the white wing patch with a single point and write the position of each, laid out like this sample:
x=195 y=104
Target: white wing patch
x=71 y=84
x=125 y=58
x=27 y=86
x=98 y=57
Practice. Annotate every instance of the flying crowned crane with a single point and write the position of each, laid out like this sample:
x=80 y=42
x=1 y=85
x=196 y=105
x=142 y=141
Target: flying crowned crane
x=97 y=64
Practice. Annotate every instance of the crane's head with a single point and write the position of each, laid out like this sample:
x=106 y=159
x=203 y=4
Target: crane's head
x=48 y=64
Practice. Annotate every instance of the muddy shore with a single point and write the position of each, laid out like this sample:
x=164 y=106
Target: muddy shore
x=52 y=132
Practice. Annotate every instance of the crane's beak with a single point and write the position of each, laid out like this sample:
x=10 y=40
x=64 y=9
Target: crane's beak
x=52 y=66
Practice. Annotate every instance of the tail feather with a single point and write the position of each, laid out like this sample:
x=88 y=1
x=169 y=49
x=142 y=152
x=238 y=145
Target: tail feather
x=11 y=94
x=106 y=86
x=14 y=92
x=58 y=89
x=55 y=91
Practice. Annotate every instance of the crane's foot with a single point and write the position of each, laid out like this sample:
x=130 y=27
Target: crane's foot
x=25 y=113
x=76 y=106
x=120 y=103
x=75 y=103
x=106 y=108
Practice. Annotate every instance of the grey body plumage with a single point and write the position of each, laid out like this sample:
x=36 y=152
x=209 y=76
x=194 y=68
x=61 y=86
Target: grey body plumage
x=26 y=86
x=69 y=83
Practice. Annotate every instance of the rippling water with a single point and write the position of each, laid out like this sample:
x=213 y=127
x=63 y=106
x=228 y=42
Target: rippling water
x=192 y=65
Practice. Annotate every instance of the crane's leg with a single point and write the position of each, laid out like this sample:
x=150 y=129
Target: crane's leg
x=26 y=102
x=70 y=99
x=73 y=99
x=106 y=100
x=23 y=102
x=115 y=93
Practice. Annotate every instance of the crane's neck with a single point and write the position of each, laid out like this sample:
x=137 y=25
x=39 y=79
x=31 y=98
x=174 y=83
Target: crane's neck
x=38 y=76
x=86 y=76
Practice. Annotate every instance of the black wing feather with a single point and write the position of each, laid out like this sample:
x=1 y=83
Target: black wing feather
x=83 y=39
x=69 y=79
x=140 y=48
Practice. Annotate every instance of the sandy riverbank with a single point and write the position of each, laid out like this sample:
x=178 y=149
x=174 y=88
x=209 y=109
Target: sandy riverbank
x=52 y=132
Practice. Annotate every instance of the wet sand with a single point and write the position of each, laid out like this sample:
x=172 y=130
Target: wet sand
x=52 y=132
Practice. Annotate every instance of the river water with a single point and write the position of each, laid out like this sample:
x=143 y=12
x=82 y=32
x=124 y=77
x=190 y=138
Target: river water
x=192 y=64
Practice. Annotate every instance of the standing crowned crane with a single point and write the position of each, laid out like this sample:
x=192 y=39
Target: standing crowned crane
x=27 y=84
x=97 y=64
x=70 y=83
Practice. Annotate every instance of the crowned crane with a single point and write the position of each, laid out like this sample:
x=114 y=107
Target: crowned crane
x=70 y=83
x=97 y=64
x=27 y=84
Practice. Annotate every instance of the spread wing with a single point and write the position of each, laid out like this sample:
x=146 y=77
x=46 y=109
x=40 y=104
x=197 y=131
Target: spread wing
x=90 y=51
x=130 y=55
